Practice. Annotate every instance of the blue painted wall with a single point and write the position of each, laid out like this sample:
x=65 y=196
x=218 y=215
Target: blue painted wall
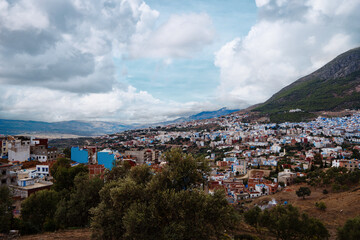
x=106 y=159
x=78 y=155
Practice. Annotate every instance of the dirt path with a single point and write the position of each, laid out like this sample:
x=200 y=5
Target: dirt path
x=77 y=234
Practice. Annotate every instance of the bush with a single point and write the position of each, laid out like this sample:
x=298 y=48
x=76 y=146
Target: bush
x=325 y=191
x=283 y=222
x=351 y=230
x=321 y=206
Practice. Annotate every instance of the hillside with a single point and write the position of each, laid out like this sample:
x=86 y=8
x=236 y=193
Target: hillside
x=335 y=86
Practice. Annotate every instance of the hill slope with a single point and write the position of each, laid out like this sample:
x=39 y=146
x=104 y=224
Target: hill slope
x=335 y=86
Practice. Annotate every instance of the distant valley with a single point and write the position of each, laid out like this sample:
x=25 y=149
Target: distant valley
x=89 y=128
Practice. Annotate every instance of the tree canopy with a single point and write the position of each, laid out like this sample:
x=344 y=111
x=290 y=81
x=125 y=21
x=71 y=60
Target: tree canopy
x=37 y=211
x=303 y=191
x=5 y=209
x=168 y=205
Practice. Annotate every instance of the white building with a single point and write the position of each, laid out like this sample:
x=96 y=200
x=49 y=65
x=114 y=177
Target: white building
x=19 y=150
x=275 y=148
x=259 y=188
x=42 y=171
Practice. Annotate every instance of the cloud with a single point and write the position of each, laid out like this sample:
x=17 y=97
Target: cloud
x=63 y=44
x=127 y=105
x=57 y=58
x=181 y=36
x=289 y=40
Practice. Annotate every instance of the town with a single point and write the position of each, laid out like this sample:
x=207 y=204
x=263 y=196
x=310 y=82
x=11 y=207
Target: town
x=247 y=159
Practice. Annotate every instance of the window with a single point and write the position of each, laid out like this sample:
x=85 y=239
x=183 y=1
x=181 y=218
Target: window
x=38 y=169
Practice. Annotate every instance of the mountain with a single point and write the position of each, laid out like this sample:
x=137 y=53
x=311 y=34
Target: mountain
x=211 y=114
x=202 y=115
x=335 y=86
x=81 y=128
x=84 y=128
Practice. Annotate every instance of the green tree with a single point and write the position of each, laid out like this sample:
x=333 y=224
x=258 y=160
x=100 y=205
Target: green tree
x=64 y=174
x=350 y=230
x=284 y=221
x=74 y=212
x=252 y=217
x=303 y=191
x=60 y=162
x=184 y=170
x=117 y=172
x=67 y=152
x=162 y=206
x=38 y=210
x=5 y=209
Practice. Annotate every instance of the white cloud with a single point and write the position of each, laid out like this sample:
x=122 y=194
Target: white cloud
x=57 y=58
x=127 y=105
x=22 y=15
x=290 y=39
x=261 y=3
x=181 y=36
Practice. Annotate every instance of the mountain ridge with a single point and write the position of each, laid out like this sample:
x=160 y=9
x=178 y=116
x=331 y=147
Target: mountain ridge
x=335 y=86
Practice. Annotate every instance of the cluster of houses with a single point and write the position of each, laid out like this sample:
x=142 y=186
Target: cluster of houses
x=243 y=156
x=245 y=147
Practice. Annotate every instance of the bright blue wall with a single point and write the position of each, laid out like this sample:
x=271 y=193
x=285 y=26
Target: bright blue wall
x=80 y=156
x=106 y=159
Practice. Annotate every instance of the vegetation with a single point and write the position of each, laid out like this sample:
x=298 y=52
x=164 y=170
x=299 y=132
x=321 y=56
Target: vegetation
x=303 y=191
x=38 y=210
x=338 y=178
x=5 y=209
x=314 y=95
x=64 y=175
x=321 y=206
x=168 y=205
x=74 y=211
x=286 y=222
x=280 y=117
x=350 y=231
x=66 y=205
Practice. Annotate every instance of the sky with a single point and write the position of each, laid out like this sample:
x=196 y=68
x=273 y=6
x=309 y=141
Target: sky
x=135 y=61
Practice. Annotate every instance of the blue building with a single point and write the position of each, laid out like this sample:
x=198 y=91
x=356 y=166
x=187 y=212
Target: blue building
x=79 y=155
x=106 y=158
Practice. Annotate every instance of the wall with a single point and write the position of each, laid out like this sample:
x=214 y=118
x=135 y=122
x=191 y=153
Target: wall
x=106 y=158
x=79 y=155
x=19 y=152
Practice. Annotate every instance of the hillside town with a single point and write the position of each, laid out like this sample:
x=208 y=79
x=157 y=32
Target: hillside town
x=247 y=159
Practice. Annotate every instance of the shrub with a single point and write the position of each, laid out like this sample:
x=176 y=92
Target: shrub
x=321 y=206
